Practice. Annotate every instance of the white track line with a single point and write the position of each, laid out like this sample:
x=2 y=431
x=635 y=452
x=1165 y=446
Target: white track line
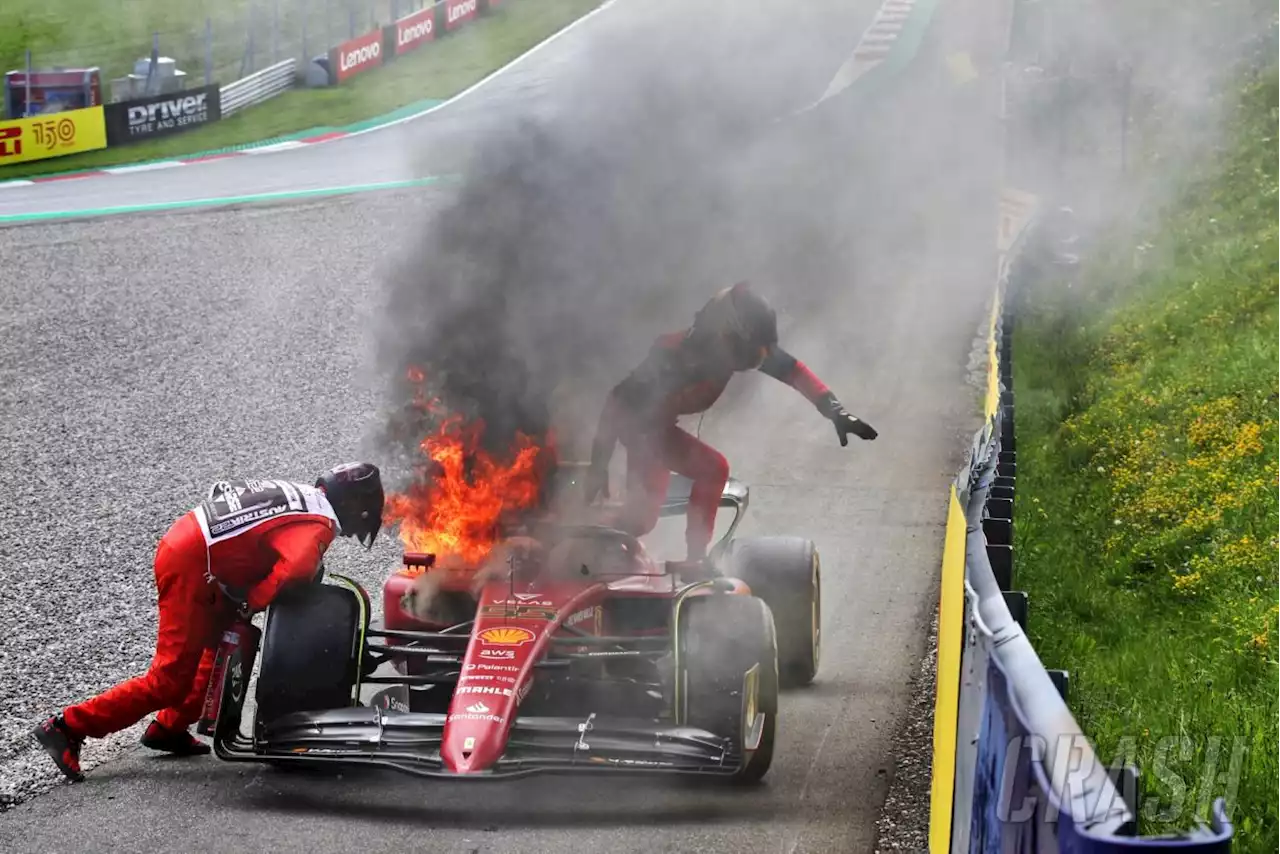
x=142 y=167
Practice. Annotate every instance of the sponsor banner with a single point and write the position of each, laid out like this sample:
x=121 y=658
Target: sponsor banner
x=412 y=31
x=355 y=56
x=52 y=135
x=162 y=115
x=459 y=12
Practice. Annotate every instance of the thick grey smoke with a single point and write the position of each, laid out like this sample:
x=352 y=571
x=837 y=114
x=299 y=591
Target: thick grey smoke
x=579 y=235
x=1116 y=102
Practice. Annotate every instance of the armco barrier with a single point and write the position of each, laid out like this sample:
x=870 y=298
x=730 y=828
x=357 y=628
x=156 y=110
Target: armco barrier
x=1024 y=778
x=259 y=86
x=1021 y=776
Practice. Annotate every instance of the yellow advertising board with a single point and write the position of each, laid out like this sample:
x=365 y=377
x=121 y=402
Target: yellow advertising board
x=54 y=135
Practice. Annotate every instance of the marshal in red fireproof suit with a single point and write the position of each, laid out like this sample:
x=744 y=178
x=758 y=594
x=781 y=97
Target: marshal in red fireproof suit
x=685 y=373
x=232 y=554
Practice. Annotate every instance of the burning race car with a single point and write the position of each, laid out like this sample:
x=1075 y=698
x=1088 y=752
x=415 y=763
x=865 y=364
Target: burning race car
x=574 y=650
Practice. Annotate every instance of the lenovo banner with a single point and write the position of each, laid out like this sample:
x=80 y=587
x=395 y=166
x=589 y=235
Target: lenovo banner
x=356 y=55
x=414 y=30
x=161 y=115
x=458 y=12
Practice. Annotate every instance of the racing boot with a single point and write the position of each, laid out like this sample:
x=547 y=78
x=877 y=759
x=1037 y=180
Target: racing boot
x=63 y=745
x=178 y=742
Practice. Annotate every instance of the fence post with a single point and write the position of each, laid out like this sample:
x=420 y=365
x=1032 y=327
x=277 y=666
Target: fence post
x=248 y=49
x=155 y=59
x=328 y=24
x=275 y=31
x=351 y=23
x=1126 y=93
x=306 y=15
x=26 y=106
x=208 y=51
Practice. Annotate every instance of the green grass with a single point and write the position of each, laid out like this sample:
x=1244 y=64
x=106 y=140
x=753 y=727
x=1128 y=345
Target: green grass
x=1147 y=514
x=434 y=72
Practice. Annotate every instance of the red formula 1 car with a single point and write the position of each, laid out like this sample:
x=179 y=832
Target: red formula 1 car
x=582 y=653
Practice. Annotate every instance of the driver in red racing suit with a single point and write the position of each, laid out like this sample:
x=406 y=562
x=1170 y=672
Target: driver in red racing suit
x=233 y=553
x=685 y=373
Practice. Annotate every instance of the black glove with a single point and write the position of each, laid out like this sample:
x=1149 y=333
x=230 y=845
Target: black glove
x=844 y=422
x=595 y=483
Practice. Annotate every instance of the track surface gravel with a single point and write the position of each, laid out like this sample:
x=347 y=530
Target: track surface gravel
x=143 y=357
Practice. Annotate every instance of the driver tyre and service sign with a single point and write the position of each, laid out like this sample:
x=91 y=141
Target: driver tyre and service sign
x=162 y=115
x=355 y=56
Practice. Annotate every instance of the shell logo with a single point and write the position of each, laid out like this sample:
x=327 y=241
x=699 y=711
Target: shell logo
x=506 y=636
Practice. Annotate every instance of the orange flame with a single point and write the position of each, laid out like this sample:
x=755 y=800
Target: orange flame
x=454 y=507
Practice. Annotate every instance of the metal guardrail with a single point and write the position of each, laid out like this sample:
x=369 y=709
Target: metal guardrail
x=1026 y=777
x=260 y=86
x=1023 y=778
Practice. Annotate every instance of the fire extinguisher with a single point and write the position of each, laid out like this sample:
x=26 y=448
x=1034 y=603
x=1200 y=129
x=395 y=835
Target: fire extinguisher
x=236 y=651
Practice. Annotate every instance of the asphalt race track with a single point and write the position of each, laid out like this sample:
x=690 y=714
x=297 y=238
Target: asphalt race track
x=142 y=357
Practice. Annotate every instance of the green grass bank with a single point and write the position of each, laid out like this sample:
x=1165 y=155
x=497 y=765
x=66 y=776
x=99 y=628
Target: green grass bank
x=1147 y=501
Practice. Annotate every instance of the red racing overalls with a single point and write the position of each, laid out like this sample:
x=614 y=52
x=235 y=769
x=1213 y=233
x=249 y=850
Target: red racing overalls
x=641 y=413
x=249 y=538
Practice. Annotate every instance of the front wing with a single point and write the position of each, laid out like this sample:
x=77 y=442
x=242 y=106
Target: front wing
x=410 y=742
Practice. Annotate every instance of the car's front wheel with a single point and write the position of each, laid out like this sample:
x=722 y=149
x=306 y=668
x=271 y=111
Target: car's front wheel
x=311 y=649
x=727 y=675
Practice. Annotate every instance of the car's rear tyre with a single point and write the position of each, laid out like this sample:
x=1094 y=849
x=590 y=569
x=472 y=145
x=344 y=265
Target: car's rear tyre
x=786 y=573
x=312 y=649
x=727 y=675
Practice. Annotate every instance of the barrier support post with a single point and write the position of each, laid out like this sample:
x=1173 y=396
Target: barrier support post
x=208 y=51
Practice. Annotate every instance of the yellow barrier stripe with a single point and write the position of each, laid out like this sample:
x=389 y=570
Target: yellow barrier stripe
x=947 y=693
x=993 y=361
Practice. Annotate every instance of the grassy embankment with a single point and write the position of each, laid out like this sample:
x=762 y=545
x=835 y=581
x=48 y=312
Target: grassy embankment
x=1147 y=404
x=434 y=72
